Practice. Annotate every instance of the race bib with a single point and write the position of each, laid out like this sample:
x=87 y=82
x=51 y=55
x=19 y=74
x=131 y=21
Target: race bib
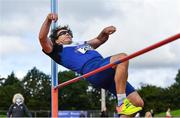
x=84 y=48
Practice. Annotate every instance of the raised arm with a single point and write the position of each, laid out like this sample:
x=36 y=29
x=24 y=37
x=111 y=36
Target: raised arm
x=45 y=42
x=102 y=37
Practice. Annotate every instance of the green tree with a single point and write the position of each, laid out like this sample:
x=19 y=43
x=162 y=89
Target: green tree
x=160 y=99
x=94 y=95
x=8 y=88
x=153 y=98
x=178 y=79
x=11 y=79
x=37 y=90
x=2 y=80
x=81 y=95
x=73 y=96
x=173 y=93
x=111 y=102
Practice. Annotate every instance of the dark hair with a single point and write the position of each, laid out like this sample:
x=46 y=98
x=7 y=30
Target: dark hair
x=53 y=36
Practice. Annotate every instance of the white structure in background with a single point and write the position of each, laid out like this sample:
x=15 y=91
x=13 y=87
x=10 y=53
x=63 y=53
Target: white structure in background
x=103 y=100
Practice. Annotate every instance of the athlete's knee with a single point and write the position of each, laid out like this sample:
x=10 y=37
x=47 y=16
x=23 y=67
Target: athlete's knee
x=121 y=56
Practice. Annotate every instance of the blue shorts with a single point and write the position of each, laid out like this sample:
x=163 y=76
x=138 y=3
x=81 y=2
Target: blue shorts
x=104 y=79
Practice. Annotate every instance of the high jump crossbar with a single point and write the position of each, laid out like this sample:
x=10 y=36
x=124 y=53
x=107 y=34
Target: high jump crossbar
x=147 y=49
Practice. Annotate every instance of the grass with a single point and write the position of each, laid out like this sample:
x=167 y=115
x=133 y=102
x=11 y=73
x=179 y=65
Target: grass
x=3 y=116
x=174 y=113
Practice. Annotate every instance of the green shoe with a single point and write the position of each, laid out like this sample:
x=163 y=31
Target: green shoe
x=127 y=108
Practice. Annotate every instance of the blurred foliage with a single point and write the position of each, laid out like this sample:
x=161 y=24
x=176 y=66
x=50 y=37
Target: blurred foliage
x=36 y=89
x=160 y=99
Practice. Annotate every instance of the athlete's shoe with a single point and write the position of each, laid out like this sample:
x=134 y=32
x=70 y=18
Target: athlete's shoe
x=127 y=108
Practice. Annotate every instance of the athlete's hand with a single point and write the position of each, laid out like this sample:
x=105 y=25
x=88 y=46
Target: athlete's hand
x=52 y=17
x=109 y=30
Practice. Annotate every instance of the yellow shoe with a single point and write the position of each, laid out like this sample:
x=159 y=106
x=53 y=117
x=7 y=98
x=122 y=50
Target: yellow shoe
x=127 y=108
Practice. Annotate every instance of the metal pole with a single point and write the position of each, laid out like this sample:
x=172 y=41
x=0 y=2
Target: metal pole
x=54 y=69
x=103 y=100
x=140 y=52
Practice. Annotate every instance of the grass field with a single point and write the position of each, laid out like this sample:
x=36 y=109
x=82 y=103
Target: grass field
x=3 y=116
x=174 y=113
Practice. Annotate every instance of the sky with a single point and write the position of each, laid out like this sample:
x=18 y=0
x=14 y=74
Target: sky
x=139 y=23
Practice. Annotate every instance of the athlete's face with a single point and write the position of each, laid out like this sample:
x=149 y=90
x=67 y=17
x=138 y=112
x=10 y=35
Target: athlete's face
x=64 y=37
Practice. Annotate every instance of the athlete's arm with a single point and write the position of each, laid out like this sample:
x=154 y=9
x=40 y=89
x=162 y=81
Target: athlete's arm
x=45 y=42
x=102 y=37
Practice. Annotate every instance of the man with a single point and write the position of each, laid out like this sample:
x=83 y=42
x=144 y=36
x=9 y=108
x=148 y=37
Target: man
x=83 y=59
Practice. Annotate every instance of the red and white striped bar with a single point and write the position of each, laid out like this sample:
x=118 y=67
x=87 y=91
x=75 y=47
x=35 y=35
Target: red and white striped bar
x=147 y=49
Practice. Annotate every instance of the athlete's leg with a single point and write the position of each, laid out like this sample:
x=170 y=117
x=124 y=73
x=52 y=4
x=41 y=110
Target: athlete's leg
x=121 y=73
x=125 y=106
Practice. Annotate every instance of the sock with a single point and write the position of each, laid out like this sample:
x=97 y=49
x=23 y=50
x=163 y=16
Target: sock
x=120 y=98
